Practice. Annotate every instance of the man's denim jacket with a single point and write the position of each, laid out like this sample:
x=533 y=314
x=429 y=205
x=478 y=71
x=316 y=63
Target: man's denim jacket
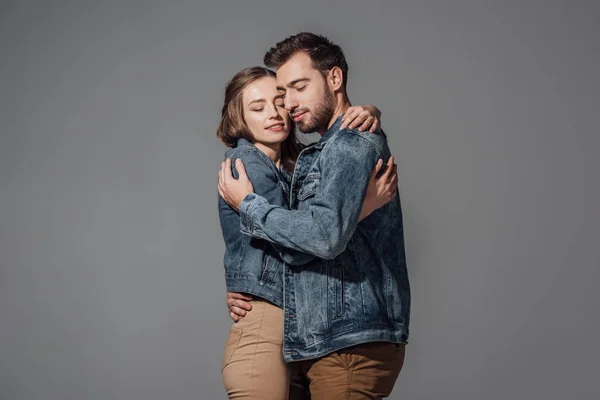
x=357 y=291
x=253 y=265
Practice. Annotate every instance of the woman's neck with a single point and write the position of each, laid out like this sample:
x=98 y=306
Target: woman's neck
x=273 y=151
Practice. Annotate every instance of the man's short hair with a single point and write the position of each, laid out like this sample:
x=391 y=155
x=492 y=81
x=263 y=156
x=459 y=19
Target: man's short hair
x=323 y=53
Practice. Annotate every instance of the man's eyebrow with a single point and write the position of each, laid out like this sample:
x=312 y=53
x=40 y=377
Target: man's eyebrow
x=294 y=82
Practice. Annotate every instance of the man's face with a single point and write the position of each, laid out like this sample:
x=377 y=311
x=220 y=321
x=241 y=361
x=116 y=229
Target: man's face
x=308 y=98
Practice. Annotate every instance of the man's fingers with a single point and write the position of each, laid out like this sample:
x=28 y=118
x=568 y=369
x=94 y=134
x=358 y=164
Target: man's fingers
x=220 y=188
x=227 y=173
x=237 y=311
x=241 y=296
x=239 y=304
x=222 y=174
x=239 y=165
x=234 y=317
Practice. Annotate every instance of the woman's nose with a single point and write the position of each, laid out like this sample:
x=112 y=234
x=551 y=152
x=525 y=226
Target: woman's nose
x=274 y=112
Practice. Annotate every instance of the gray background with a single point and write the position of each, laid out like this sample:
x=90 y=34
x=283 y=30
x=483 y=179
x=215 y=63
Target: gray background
x=111 y=277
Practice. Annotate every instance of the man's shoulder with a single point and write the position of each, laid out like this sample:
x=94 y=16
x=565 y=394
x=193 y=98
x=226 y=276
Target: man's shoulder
x=353 y=138
x=373 y=137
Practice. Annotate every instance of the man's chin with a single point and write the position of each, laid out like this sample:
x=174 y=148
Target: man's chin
x=305 y=128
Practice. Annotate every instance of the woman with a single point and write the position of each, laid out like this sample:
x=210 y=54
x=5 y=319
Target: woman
x=256 y=126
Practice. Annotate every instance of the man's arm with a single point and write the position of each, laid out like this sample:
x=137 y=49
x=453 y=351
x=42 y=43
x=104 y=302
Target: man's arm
x=325 y=227
x=265 y=182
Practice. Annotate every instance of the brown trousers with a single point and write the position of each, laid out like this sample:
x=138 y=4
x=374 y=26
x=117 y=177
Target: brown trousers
x=253 y=366
x=367 y=371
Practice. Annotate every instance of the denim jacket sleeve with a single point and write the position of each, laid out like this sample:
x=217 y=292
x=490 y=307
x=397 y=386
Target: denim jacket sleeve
x=327 y=224
x=266 y=184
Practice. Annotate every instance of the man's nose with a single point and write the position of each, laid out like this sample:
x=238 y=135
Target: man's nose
x=290 y=102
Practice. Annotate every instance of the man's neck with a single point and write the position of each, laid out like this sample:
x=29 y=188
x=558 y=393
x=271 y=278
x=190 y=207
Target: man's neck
x=343 y=104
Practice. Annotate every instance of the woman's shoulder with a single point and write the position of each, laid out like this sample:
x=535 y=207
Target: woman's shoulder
x=249 y=152
x=254 y=160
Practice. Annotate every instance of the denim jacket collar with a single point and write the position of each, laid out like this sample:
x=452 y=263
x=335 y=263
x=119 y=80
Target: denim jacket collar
x=242 y=142
x=283 y=174
x=333 y=129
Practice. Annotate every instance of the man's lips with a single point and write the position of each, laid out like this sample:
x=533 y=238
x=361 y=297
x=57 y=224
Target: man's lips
x=299 y=116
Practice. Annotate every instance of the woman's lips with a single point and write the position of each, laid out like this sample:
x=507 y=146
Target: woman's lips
x=276 y=128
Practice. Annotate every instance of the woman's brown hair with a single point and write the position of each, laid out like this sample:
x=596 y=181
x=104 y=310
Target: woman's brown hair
x=233 y=126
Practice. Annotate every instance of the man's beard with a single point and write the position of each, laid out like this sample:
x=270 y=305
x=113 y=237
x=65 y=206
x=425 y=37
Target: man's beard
x=320 y=115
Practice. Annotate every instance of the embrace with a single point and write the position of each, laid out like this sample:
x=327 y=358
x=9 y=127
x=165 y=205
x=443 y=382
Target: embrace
x=315 y=264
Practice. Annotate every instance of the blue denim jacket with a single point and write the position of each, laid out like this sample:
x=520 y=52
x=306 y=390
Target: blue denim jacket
x=358 y=290
x=254 y=265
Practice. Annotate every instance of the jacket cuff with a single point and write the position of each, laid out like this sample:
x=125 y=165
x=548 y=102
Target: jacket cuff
x=247 y=207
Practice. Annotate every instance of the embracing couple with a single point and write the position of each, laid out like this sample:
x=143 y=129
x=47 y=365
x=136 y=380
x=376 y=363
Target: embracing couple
x=314 y=264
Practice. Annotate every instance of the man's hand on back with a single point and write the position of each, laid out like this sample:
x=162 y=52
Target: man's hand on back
x=239 y=305
x=232 y=190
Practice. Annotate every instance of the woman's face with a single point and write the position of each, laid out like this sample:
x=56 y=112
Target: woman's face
x=264 y=111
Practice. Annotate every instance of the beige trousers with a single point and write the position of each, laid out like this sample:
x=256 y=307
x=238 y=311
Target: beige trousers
x=253 y=366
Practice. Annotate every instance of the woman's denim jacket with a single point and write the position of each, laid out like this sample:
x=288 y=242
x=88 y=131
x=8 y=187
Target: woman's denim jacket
x=252 y=265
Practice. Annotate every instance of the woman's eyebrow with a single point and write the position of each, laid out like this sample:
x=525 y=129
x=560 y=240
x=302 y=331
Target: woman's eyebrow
x=256 y=101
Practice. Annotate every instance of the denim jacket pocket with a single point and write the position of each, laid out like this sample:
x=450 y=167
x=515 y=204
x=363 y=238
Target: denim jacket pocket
x=309 y=186
x=270 y=267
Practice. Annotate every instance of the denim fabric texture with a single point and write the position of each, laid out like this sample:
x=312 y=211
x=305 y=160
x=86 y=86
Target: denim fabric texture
x=357 y=290
x=253 y=265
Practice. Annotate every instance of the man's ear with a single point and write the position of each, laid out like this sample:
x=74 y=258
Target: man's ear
x=335 y=78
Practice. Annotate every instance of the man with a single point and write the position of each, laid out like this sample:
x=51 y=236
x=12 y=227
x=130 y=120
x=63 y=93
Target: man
x=346 y=313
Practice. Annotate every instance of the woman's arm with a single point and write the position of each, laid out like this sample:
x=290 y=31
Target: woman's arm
x=381 y=190
x=363 y=118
